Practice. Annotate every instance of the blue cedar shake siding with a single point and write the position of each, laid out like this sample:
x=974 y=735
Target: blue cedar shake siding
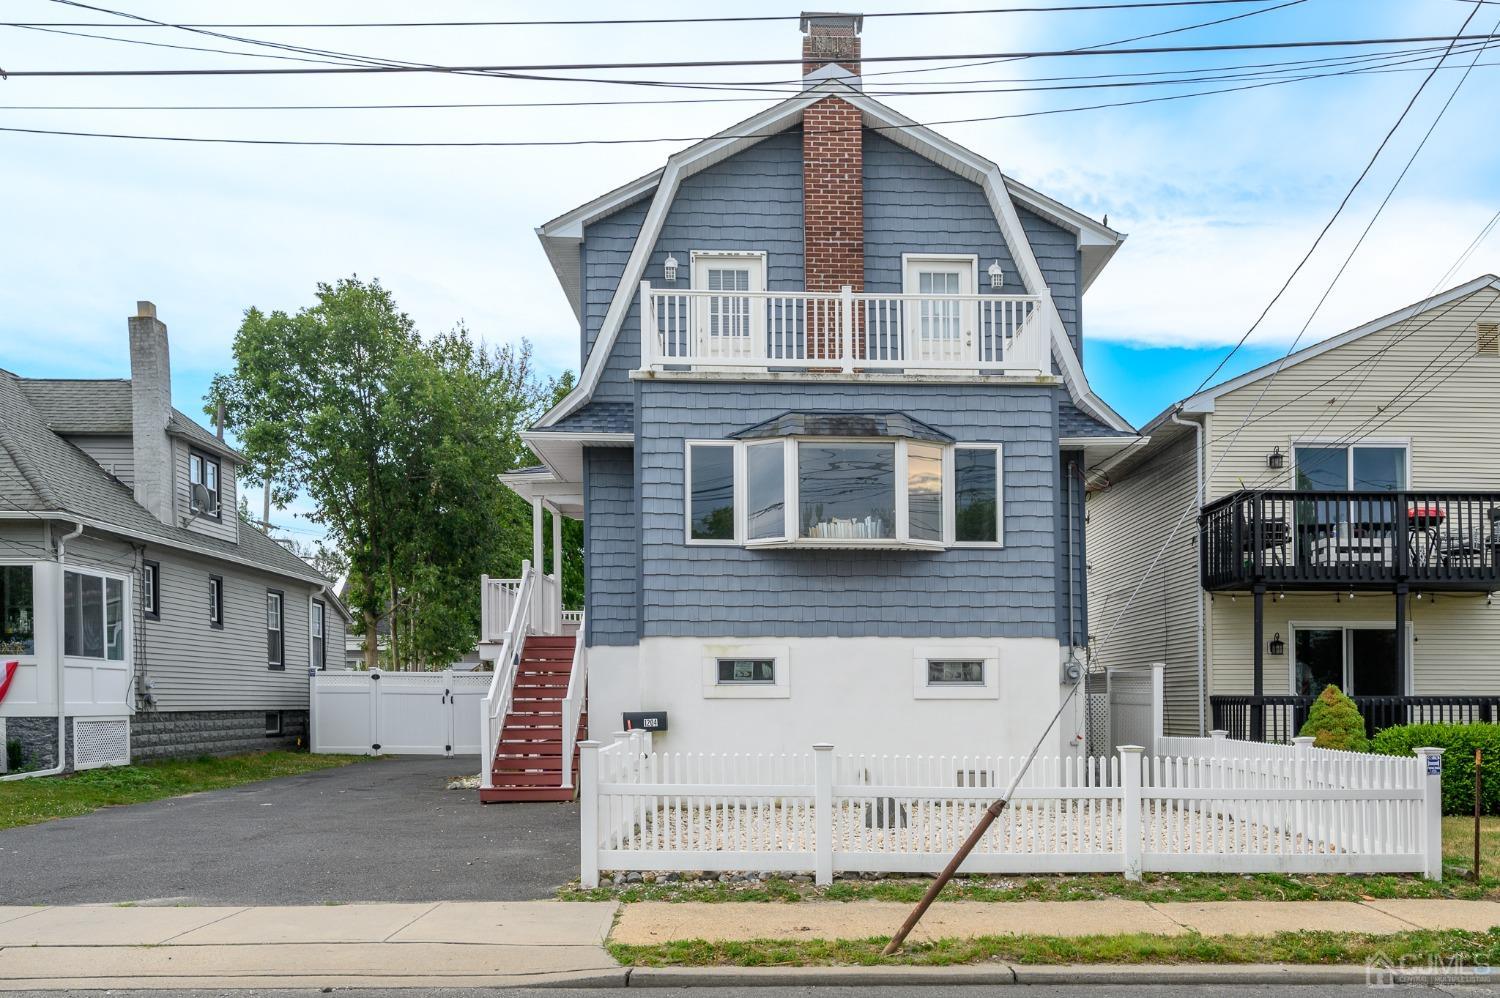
x=716 y=591
x=912 y=205
x=611 y=544
x=751 y=201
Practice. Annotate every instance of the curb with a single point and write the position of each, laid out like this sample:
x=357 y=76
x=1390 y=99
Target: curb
x=723 y=977
x=1065 y=974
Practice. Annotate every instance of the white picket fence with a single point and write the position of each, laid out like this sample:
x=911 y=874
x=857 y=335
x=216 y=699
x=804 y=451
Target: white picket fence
x=1210 y=806
x=397 y=713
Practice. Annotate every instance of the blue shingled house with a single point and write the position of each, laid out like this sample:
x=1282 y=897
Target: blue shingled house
x=828 y=447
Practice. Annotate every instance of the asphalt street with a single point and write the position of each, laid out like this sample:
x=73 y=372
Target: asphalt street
x=383 y=830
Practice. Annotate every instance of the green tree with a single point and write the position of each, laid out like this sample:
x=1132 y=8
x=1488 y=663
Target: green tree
x=397 y=444
x=1334 y=721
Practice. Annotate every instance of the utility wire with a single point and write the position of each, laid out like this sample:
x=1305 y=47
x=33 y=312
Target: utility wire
x=610 y=22
x=716 y=63
x=1193 y=503
x=547 y=143
x=1386 y=64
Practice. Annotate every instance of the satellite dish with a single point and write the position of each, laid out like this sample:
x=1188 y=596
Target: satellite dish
x=203 y=500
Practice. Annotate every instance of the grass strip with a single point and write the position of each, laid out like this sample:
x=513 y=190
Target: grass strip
x=27 y=802
x=1328 y=948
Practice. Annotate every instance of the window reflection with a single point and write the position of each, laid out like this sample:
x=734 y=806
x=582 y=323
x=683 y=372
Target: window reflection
x=847 y=491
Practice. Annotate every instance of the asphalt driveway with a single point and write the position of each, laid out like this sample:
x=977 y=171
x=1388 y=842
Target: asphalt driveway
x=384 y=830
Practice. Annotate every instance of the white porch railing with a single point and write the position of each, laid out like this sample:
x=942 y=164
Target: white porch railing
x=772 y=330
x=574 y=703
x=519 y=599
x=1225 y=808
x=498 y=602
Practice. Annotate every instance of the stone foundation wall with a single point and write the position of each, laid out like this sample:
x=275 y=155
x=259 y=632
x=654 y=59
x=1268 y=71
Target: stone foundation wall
x=38 y=738
x=168 y=734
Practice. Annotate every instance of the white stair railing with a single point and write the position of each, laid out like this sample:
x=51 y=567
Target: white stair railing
x=496 y=704
x=573 y=704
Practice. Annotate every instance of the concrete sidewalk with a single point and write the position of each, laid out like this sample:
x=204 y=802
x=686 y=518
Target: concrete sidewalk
x=661 y=922
x=452 y=944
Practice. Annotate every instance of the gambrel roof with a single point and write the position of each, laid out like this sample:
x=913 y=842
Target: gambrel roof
x=561 y=236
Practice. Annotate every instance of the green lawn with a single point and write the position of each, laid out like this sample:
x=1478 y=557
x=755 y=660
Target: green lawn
x=1458 y=851
x=1476 y=948
x=26 y=802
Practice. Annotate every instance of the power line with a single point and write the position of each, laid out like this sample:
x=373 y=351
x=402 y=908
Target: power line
x=716 y=63
x=549 y=143
x=1386 y=64
x=1189 y=508
x=612 y=22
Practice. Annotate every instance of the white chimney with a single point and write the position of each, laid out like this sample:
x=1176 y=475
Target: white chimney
x=150 y=408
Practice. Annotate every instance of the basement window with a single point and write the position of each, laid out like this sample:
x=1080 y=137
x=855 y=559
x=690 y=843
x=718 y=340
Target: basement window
x=747 y=671
x=955 y=672
x=273 y=723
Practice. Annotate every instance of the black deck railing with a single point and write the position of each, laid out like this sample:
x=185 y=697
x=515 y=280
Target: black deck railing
x=1351 y=540
x=1285 y=715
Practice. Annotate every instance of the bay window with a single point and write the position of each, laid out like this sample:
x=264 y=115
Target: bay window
x=851 y=492
x=93 y=616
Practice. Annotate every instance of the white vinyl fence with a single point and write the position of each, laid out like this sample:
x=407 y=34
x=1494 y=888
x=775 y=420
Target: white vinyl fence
x=397 y=713
x=1217 y=806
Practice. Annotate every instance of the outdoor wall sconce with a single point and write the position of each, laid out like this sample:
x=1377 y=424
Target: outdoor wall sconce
x=1276 y=460
x=997 y=276
x=1277 y=646
x=669 y=268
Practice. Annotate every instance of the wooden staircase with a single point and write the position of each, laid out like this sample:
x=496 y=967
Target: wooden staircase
x=528 y=763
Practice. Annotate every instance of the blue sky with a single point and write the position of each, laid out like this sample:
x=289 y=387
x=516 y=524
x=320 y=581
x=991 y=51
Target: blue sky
x=1219 y=194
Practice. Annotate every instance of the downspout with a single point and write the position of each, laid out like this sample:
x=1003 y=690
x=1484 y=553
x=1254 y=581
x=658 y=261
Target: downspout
x=62 y=707
x=1201 y=492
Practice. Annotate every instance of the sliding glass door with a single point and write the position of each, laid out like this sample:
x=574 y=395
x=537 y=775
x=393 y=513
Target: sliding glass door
x=1361 y=661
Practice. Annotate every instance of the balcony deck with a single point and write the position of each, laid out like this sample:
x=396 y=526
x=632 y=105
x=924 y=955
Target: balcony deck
x=844 y=331
x=1352 y=541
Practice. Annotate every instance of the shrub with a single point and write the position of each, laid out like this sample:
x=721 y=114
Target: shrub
x=1335 y=722
x=1460 y=740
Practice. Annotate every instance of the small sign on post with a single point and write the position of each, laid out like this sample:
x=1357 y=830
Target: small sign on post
x=1434 y=765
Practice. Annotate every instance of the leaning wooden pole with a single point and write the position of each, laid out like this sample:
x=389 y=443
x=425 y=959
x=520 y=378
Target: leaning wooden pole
x=985 y=821
x=1478 y=804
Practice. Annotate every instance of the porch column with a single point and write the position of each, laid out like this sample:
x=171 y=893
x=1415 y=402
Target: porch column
x=557 y=545
x=536 y=534
x=1401 y=663
x=1258 y=708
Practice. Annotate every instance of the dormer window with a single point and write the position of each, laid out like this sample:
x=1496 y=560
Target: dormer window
x=821 y=482
x=203 y=484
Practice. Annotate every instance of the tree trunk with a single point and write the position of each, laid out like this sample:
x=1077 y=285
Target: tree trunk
x=371 y=638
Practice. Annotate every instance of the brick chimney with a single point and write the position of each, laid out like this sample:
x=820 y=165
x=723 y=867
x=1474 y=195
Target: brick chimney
x=833 y=190
x=150 y=408
x=830 y=38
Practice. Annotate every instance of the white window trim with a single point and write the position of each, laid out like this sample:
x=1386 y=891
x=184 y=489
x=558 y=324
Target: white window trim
x=30 y=658
x=910 y=260
x=950 y=497
x=988 y=690
x=128 y=610
x=738 y=496
x=791 y=522
x=1293 y=626
x=781 y=689
x=1403 y=443
x=280 y=627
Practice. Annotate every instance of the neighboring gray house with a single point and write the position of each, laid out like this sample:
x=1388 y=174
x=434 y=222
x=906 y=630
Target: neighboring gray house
x=835 y=492
x=129 y=583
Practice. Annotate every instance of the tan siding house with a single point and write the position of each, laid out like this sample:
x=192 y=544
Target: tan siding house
x=1409 y=403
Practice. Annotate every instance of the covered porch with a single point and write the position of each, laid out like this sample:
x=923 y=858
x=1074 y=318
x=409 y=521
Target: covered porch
x=551 y=500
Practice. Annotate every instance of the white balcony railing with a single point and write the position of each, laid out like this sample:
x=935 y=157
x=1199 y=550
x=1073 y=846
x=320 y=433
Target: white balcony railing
x=804 y=330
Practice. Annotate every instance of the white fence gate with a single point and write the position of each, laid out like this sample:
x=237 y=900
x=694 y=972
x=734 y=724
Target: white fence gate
x=1219 y=807
x=397 y=713
x=1136 y=707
